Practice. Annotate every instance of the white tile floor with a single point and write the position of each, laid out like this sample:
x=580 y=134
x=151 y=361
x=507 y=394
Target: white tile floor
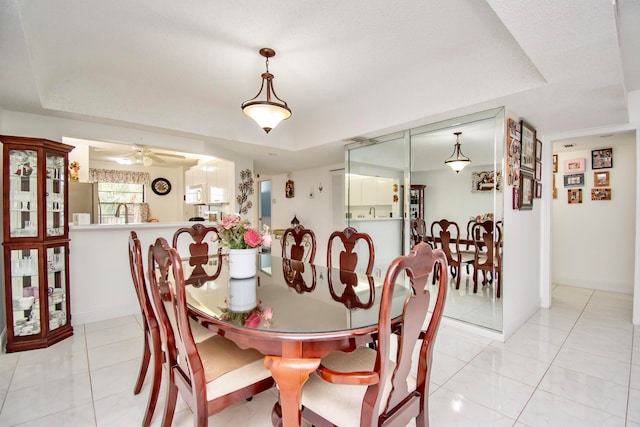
x=577 y=364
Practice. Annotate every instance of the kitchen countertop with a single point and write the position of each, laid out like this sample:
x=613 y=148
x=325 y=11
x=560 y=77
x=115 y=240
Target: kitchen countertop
x=375 y=219
x=146 y=225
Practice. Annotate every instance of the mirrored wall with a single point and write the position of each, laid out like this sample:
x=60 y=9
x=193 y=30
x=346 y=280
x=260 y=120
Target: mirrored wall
x=379 y=172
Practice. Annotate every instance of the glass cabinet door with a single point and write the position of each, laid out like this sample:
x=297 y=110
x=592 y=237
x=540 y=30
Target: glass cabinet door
x=56 y=280
x=54 y=191
x=23 y=193
x=25 y=292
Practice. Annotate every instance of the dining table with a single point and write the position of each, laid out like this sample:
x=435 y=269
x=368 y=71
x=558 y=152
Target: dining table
x=292 y=322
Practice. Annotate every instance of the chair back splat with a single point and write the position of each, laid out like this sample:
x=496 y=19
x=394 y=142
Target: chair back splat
x=201 y=240
x=299 y=243
x=370 y=387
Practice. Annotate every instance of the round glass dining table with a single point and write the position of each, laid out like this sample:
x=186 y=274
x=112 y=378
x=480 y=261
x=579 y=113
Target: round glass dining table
x=294 y=313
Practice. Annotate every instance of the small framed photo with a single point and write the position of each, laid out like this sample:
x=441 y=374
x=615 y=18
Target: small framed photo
x=528 y=148
x=516 y=198
x=601 y=179
x=538 y=150
x=574 y=180
x=574 y=165
x=538 y=194
x=555 y=163
x=527 y=191
x=538 y=174
x=600 y=194
x=574 y=195
x=602 y=158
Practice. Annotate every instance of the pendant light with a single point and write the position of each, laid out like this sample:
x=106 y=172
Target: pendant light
x=457 y=161
x=270 y=110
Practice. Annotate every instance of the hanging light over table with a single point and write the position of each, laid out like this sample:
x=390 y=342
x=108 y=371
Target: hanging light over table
x=270 y=110
x=457 y=161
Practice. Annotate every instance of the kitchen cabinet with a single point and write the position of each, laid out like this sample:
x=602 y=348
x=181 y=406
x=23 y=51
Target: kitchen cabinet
x=36 y=242
x=210 y=183
x=369 y=191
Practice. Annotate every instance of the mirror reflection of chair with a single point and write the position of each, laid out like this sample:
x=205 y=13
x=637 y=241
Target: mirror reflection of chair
x=202 y=240
x=418 y=231
x=209 y=375
x=488 y=257
x=299 y=243
x=377 y=386
x=446 y=236
x=295 y=277
x=152 y=350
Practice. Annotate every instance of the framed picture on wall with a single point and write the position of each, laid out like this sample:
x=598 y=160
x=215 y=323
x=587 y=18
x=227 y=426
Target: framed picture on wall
x=601 y=179
x=555 y=163
x=528 y=149
x=600 y=194
x=527 y=190
x=574 y=180
x=515 y=201
x=538 y=190
x=538 y=174
x=574 y=195
x=574 y=165
x=602 y=158
x=538 y=150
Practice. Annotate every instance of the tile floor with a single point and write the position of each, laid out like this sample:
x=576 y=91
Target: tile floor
x=577 y=364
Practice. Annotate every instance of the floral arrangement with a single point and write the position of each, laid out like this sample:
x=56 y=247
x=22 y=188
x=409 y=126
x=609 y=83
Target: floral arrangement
x=482 y=218
x=249 y=319
x=237 y=233
x=74 y=168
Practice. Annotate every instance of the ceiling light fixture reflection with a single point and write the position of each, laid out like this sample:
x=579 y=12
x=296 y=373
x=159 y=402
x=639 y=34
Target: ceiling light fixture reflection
x=270 y=110
x=457 y=161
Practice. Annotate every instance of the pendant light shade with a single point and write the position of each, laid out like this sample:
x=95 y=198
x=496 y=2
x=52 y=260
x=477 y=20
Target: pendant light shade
x=266 y=108
x=457 y=161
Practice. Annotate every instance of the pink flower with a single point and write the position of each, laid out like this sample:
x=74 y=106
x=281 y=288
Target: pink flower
x=252 y=321
x=230 y=221
x=252 y=238
x=267 y=314
x=266 y=240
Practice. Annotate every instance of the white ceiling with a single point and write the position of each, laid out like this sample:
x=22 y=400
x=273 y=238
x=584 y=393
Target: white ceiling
x=346 y=68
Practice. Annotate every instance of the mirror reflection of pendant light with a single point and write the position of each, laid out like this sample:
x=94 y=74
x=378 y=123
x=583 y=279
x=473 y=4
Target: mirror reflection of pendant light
x=457 y=161
x=270 y=110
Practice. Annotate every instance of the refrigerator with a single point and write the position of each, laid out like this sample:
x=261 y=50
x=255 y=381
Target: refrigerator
x=83 y=199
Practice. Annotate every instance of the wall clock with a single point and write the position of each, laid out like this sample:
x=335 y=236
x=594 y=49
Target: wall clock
x=161 y=186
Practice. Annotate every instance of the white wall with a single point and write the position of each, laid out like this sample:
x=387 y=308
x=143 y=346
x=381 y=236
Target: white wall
x=314 y=212
x=448 y=195
x=593 y=242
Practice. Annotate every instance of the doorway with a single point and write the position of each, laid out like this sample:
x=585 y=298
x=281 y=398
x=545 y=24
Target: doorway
x=264 y=220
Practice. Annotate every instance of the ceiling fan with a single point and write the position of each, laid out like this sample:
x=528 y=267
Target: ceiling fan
x=143 y=156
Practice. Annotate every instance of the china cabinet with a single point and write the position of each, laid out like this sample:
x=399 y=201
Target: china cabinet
x=36 y=242
x=416 y=202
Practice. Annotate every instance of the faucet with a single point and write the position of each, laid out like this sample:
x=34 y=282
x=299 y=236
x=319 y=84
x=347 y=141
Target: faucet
x=374 y=211
x=126 y=212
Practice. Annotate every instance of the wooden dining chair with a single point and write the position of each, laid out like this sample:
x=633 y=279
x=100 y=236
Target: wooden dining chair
x=209 y=375
x=152 y=350
x=487 y=258
x=201 y=241
x=373 y=387
x=299 y=243
x=295 y=276
x=446 y=236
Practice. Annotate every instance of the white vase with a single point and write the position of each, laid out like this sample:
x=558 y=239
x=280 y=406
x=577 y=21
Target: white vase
x=242 y=263
x=242 y=294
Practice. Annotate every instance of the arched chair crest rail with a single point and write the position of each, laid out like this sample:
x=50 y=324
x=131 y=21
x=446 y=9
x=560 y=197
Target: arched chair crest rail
x=202 y=238
x=209 y=375
x=446 y=236
x=299 y=243
x=152 y=350
x=418 y=231
x=372 y=387
x=488 y=258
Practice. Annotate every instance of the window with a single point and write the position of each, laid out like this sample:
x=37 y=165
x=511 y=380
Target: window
x=116 y=199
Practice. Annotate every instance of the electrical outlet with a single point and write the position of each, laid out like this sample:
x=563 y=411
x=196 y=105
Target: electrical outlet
x=377 y=272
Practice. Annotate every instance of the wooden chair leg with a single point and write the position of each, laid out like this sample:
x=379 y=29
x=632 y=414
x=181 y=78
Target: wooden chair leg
x=155 y=388
x=458 y=280
x=170 y=403
x=475 y=280
x=146 y=356
x=498 y=284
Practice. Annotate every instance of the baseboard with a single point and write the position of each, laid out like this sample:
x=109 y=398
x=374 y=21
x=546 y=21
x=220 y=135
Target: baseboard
x=622 y=288
x=474 y=329
x=80 y=318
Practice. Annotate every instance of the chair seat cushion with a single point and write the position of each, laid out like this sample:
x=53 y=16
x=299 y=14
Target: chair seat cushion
x=338 y=403
x=228 y=368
